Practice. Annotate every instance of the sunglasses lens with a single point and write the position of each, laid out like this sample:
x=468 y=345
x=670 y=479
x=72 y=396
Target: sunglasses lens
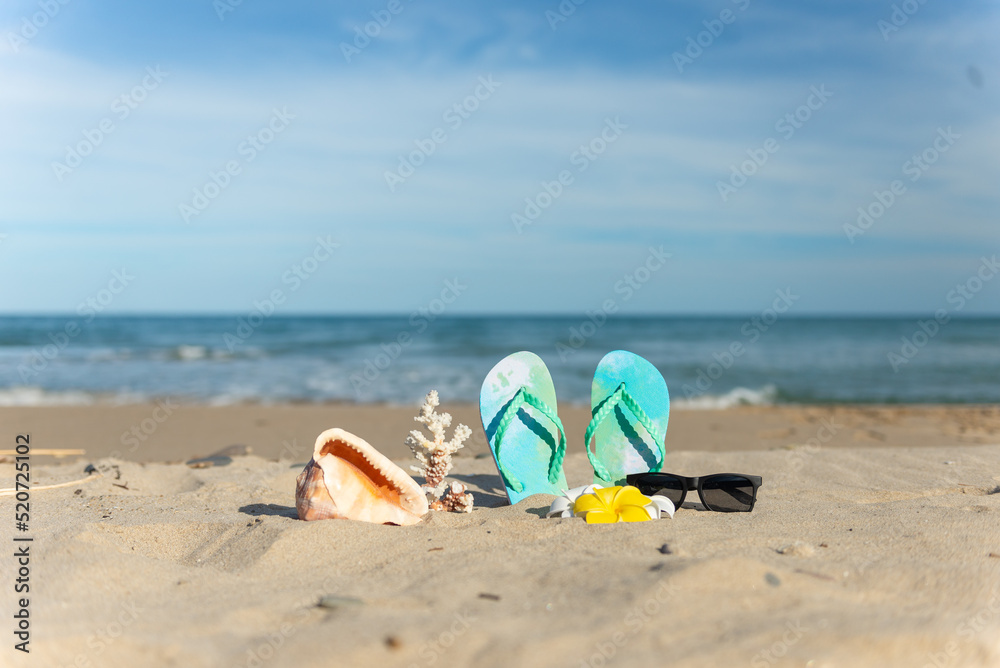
x=662 y=485
x=728 y=493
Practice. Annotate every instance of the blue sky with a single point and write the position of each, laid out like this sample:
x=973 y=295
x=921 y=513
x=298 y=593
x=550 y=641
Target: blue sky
x=556 y=86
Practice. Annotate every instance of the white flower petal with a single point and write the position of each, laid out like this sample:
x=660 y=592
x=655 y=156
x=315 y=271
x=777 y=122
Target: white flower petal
x=563 y=506
x=662 y=505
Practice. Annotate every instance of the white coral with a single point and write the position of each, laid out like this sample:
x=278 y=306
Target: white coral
x=436 y=455
x=456 y=499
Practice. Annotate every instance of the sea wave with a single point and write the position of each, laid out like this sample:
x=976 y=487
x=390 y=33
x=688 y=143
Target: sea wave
x=356 y=359
x=738 y=396
x=36 y=396
x=189 y=353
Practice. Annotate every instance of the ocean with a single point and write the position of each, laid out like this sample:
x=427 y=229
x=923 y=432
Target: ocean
x=708 y=362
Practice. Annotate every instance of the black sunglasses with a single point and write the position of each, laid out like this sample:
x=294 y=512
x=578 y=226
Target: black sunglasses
x=721 y=492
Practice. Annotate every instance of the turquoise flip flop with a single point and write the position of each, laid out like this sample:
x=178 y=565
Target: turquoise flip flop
x=630 y=406
x=518 y=407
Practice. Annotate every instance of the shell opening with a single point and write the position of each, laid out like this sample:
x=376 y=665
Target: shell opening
x=355 y=458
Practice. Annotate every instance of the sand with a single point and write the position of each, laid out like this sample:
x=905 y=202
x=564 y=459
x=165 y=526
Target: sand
x=877 y=546
x=170 y=432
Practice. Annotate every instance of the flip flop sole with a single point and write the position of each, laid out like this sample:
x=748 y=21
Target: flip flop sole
x=621 y=443
x=531 y=439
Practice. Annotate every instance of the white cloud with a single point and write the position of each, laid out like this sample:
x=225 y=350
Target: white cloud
x=326 y=170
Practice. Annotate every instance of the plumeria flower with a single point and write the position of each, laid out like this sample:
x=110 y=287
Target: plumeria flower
x=604 y=505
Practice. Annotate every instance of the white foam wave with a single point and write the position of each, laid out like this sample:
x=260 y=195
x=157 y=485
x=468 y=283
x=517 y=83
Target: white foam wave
x=36 y=396
x=109 y=355
x=234 y=398
x=190 y=353
x=738 y=396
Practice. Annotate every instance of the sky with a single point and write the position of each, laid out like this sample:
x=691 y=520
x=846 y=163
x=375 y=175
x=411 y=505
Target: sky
x=545 y=157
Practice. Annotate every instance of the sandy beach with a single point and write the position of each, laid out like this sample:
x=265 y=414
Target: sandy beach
x=874 y=542
x=167 y=431
x=249 y=248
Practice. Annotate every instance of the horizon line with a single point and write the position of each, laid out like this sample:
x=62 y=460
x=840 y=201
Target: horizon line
x=819 y=315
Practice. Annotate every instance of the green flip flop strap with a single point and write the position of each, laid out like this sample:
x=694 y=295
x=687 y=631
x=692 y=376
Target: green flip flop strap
x=621 y=396
x=525 y=398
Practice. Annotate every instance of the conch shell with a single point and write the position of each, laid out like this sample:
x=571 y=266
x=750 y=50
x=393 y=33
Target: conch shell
x=349 y=479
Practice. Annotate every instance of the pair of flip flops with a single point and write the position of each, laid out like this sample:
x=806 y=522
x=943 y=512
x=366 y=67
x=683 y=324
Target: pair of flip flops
x=630 y=407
